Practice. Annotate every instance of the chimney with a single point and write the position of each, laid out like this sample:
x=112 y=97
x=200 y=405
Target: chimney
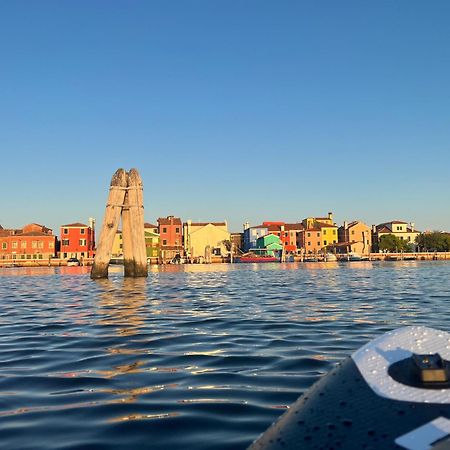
x=412 y=225
x=246 y=226
x=345 y=225
x=330 y=215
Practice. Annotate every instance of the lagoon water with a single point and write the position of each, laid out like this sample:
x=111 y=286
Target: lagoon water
x=194 y=357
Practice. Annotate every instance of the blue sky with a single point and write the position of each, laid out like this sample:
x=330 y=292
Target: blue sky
x=239 y=110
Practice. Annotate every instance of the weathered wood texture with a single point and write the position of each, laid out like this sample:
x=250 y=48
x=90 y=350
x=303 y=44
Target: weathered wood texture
x=133 y=234
x=110 y=225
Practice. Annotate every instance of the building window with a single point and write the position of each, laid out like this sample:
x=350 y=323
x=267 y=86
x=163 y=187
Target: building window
x=309 y=244
x=164 y=241
x=23 y=244
x=82 y=241
x=308 y=234
x=318 y=243
x=14 y=244
x=51 y=245
x=40 y=244
x=324 y=231
x=164 y=230
x=33 y=244
x=65 y=231
x=318 y=234
x=82 y=231
x=353 y=231
x=324 y=242
x=4 y=245
x=177 y=230
x=65 y=242
x=334 y=231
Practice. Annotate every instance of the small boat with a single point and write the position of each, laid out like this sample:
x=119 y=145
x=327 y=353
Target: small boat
x=392 y=393
x=330 y=257
x=353 y=256
x=73 y=262
x=310 y=259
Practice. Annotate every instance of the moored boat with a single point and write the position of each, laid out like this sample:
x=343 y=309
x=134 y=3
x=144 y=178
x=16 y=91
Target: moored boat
x=256 y=259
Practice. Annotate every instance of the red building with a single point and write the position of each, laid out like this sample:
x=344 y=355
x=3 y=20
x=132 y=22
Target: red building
x=78 y=240
x=287 y=232
x=170 y=237
x=33 y=241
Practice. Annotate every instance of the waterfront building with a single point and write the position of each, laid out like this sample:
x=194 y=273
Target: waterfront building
x=237 y=240
x=202 y=238
x=287 y=232
x=117 y=247
x=78 y=240
x=403 y=230
x=251 y=235
x=170 y=238
x=271 y=244
x=317 y=234
x=33 y=241
x=152 y=246
x=151 y=227
x=353 y=237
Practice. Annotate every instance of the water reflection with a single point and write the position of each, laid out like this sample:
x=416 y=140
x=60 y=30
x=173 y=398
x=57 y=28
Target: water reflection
x=121 y=303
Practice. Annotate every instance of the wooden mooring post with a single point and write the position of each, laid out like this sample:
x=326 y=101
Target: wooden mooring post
x=125 y=200
x=133 y=234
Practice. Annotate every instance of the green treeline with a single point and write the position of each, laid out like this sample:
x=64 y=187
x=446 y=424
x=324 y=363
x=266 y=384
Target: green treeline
x=435 y=241
x=432 y=242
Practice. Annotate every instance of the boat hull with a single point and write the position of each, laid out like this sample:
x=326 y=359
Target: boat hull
x=256 y=259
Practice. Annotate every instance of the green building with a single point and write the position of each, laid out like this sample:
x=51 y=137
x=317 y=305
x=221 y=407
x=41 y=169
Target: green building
x=152 y=243
x=269 y=245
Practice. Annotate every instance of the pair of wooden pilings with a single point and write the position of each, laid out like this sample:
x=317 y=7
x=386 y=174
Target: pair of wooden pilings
x=125 y=200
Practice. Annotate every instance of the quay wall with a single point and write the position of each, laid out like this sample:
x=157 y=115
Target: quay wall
x=56 y=262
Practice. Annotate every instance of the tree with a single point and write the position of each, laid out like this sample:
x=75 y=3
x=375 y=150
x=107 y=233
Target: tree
x=434 y=242
x=391 y=243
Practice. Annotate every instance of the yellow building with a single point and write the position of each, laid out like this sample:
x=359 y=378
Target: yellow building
x=203 y=238
x=318 y=233
x=117 y=248
x=402 y=230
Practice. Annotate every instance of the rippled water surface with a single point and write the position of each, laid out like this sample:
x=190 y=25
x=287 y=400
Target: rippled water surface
x=201 y=357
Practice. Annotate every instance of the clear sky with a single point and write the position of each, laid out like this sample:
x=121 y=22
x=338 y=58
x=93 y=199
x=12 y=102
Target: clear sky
x=230 y=109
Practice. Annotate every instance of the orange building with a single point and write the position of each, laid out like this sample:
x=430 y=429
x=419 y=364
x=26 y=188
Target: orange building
x=33 y=241
x=78 y=240
x=318 y=233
